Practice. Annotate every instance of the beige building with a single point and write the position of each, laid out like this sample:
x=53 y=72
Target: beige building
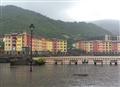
x=8 y=42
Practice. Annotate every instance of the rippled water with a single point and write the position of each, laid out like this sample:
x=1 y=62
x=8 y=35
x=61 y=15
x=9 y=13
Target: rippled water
x=60 y=76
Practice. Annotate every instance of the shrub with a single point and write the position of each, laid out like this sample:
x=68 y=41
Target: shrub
x=40 y=61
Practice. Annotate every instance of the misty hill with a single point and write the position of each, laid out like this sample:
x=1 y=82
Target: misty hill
x=110 y=25
x=16 y=19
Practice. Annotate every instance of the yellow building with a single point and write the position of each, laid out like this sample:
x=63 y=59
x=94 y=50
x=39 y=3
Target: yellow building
x=19 y=42
x=22 y=43
x=49 y=45
x=108 y=46
x=53 y=45
x=43 y=44
x=59 y=45
x=62 y=45
x=36 y=44
x=39 y=42
x=14 y=42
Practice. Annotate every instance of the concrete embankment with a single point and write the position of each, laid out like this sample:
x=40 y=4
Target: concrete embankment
x=22 y=60
x=4 y=60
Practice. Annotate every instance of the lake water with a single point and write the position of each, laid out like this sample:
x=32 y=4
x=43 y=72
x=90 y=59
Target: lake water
x=60 y=76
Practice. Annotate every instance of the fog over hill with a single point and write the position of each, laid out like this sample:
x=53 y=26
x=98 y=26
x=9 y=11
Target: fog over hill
x=111 y=25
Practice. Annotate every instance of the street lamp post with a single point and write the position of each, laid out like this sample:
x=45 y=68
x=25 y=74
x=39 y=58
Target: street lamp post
x=31 y=27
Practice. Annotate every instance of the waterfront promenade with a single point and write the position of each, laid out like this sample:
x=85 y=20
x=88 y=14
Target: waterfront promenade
x=112 y=60
x=81 y=59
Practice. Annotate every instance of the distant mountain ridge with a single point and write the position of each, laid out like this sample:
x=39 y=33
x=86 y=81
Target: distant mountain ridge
x=16 y=19
x=110 y=25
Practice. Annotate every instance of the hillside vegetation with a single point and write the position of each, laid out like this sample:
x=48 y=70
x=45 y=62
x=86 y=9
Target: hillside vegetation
x=16 y=19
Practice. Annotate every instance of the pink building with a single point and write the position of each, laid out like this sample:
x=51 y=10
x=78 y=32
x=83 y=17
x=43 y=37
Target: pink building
x=99 y=46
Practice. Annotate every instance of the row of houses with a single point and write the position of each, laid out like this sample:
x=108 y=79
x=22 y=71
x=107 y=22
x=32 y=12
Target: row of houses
x=99 y=46
x=21 y=43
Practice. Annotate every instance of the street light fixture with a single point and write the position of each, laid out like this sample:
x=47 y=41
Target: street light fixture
x=31 y=27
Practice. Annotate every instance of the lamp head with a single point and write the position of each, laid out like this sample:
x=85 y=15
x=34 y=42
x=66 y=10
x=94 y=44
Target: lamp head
x=31 y=26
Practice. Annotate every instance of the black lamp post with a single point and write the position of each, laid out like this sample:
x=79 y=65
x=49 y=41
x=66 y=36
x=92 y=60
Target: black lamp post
x=31 y=27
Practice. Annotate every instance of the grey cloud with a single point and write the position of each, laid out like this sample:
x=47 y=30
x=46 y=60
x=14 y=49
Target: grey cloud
x=52 y=9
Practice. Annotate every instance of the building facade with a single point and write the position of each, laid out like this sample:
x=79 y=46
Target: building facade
x=10 y=42
x=99 y=46
x=1 y=47
x=59 y=45
x=21 y=43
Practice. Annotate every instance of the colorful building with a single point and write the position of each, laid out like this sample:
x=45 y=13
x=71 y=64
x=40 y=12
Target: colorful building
x=115 y=46
x=87 y=46
x=10 y=42
x=99 y=46
x=21 y=42
x=1 y=47
x=59 y=45
x=49 y=45
x=118 y=46
x=43 y=44
x=15 y=42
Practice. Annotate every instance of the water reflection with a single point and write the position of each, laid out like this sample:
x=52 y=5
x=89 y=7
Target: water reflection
x=60 y=76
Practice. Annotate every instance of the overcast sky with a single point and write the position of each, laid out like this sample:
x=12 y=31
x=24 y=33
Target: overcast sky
x=71 y=10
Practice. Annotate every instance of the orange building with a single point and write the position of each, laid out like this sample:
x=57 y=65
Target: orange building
x=43 y=44
x=87 y=46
